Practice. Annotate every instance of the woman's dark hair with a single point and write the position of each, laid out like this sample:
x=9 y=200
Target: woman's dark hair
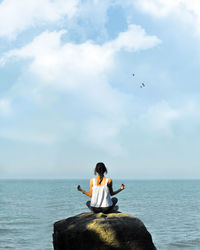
x=100 y=169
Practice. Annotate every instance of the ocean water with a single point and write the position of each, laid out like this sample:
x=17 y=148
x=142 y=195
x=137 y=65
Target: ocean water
x=28 y=208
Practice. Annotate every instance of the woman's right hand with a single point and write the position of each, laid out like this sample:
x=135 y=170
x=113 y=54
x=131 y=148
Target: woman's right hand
x=122 y=187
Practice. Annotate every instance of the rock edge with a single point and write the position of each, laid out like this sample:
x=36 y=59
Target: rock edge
x=113 y=231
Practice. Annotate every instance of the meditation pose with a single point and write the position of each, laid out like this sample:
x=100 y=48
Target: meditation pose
x=101 y=191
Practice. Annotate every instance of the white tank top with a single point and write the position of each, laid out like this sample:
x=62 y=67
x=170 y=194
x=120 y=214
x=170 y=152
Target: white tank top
x=100 y=195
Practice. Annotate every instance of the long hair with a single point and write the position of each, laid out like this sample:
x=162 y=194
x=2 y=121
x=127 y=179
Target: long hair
x=100 y=169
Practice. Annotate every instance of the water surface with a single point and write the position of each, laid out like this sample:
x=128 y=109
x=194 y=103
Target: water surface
x=28 y=208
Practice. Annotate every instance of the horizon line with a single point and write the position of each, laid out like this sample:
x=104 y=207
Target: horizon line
x=134 y=179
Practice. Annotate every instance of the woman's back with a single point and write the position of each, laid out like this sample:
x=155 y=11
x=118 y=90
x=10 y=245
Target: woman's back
x=100 y=193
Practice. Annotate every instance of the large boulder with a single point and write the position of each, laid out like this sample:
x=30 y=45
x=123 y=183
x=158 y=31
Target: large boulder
x=90 y=231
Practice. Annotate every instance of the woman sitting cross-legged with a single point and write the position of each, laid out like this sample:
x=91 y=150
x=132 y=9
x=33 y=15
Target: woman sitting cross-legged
x=101 y=191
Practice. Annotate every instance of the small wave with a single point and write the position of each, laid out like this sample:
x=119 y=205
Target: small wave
x=19 y=223
x=193 y=244
x=7 y=247
x=4 y=230
x=180 y=245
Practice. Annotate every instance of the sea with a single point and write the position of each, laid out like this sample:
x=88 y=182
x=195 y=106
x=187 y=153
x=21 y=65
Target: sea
x=170 y=210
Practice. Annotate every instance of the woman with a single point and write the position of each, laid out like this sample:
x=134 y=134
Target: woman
x=101 y=191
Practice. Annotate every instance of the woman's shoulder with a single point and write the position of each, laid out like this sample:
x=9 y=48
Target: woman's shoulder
x=91 y=180
x=109 y=181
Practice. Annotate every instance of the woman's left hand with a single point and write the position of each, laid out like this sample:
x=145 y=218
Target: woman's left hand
x=122 y=187
x=79 y=188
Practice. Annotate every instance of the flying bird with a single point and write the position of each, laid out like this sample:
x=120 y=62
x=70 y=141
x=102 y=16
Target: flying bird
x=142 y=84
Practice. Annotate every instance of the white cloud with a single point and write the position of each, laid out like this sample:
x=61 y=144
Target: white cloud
x=188 y=12
x=19 y=15
x=28 y=136
x=162 y=116
x=37 y=131
x=63 y=64
x=80 y=66
x=5 y=106
x=103 y=133
x=158 y=8
x=56 y=62
x=83 y=70
x=134 y=39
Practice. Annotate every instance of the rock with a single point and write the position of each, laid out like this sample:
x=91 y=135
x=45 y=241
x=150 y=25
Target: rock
x=90 y=231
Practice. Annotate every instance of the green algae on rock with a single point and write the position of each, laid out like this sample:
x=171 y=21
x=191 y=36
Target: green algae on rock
x=113 y=231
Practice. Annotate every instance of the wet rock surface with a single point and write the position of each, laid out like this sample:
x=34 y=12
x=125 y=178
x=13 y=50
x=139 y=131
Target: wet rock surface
x=113 y=231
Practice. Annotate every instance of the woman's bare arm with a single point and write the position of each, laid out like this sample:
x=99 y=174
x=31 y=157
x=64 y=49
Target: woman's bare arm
x=84 y=192
x=117 y=191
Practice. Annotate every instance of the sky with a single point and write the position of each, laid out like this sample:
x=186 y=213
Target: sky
x=68 y=97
